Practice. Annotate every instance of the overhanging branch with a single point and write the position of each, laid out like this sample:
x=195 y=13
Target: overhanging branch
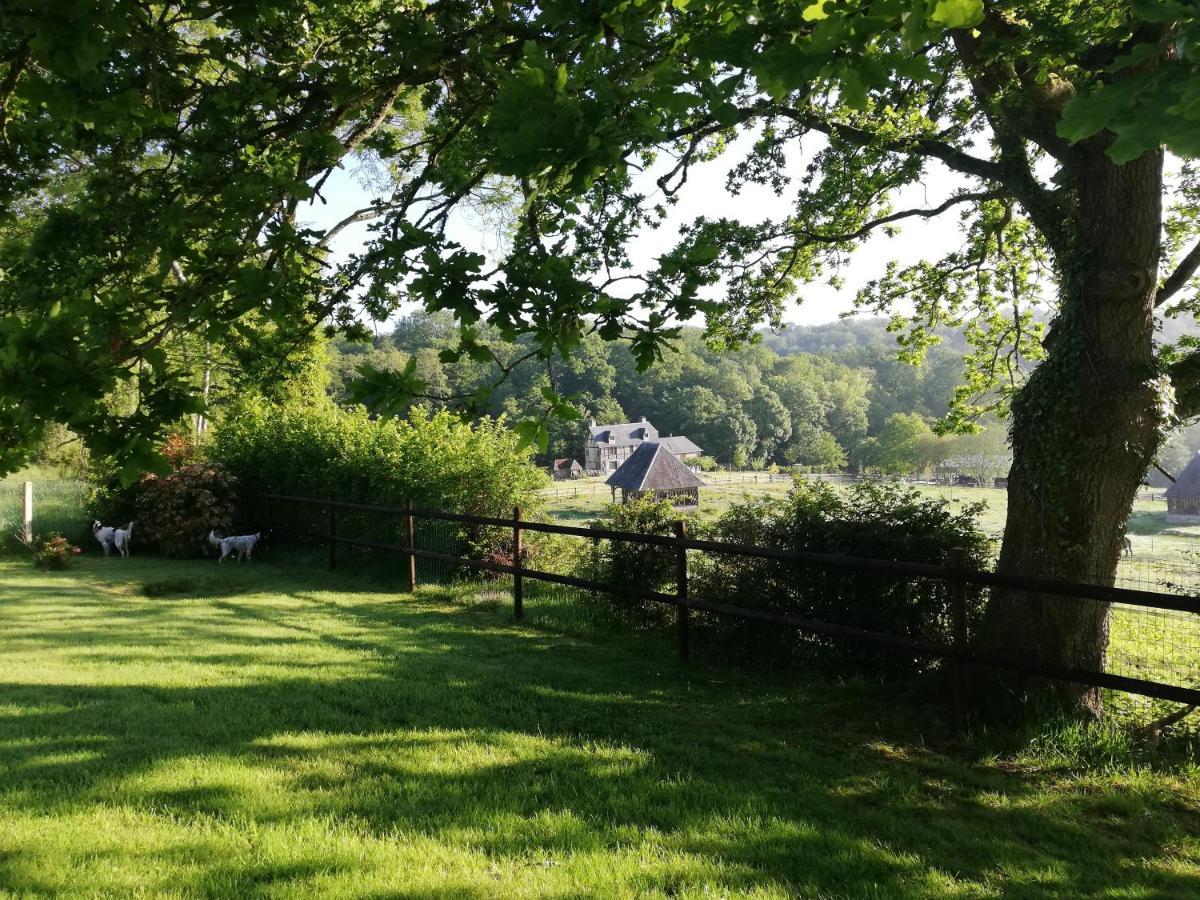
x=1183 y=273
x=952 y=156
x=930 y=213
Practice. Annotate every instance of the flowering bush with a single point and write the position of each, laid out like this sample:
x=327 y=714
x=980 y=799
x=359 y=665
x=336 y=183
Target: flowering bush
x=176 y=511
x=54 y=552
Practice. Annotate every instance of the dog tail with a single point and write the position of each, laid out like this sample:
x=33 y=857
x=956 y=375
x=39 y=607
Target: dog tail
x=212 y=538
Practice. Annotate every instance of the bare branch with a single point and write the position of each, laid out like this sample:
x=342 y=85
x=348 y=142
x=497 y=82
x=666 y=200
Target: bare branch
x=359 y=215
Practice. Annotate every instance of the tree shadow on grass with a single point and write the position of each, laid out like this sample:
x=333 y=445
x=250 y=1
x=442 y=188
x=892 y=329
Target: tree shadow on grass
x=406 y=717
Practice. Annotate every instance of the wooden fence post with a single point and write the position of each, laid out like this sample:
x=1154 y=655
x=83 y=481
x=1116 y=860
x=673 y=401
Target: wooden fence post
x=518 y=584
x=958 y=621
x=595 y=565
x=681 y=591
x=412 y=545
x=27 y=513
x=331 y=522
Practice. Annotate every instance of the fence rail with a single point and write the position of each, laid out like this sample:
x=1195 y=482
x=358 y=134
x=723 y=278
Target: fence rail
x=960 y=652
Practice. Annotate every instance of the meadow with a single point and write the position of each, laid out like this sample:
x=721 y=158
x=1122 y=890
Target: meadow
x=181 y=729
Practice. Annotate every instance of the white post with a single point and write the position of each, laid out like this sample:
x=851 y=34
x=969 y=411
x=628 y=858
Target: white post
x=27 y=513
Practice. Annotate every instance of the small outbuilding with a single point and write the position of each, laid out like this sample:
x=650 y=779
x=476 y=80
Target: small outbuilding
x=564 y=469
x=652 y=470
x=1183 y=497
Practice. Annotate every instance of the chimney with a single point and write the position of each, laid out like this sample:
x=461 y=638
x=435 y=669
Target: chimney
x=592 y=421
x=643 y=418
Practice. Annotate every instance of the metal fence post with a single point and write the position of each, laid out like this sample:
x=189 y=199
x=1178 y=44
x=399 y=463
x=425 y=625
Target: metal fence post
x=331 y=522
x=958 y=621
x=681 y=591
x=518 y=584
x=27 y=513
x=412 y=545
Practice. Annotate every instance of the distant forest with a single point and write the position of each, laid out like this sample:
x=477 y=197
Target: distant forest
x=826 y=396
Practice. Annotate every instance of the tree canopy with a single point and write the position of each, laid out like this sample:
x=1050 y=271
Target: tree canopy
x=158 y=156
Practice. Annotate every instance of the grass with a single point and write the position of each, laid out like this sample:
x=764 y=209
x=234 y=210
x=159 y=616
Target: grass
x=184 y=729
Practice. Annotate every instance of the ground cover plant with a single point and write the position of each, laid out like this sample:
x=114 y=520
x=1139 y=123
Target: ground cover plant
x=179 y=729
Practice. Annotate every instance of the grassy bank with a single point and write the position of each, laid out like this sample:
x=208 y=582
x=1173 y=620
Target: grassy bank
x=186 y=729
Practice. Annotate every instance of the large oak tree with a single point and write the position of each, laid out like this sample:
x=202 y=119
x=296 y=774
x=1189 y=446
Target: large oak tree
x=192 y=132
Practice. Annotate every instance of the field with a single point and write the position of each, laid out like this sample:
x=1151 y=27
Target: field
x=179 y=729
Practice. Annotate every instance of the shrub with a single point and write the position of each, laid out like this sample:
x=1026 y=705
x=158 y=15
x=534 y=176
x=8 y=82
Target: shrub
x=175 y=512
x=435 y=459
x=54 y=552
x=640 y=565
x=707 y=464
x=879 y=521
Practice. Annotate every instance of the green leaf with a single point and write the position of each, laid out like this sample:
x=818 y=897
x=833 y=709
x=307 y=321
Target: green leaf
x=815 y=12
x=957 y=13
x=1087 y=115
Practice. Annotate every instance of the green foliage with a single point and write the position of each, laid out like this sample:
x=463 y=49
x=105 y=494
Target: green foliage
x=905 y=445
x=434 y=459
x=176 y=511
x=875 y=521
x=645 y=566
x=753 y=402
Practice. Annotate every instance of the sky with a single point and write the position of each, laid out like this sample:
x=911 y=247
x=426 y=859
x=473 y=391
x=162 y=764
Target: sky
x=705 y=194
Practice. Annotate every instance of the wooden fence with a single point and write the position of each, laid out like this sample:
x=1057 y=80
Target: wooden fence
x=959 y=653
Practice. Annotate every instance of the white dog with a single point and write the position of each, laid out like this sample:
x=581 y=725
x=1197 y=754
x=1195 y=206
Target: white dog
x=242 y=545
x=122 y=537
x=104 y=534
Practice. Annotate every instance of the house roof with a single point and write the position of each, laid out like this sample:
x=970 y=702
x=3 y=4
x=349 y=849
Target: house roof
x=568 y=463
x=625 y=433
x=1187 y=483
x=652 y=467
x=678 y=443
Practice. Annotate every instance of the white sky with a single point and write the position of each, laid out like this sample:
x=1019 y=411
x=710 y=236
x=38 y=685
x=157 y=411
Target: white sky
x=705 y=194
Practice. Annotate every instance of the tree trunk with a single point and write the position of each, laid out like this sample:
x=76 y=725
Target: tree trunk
x=1084 y=430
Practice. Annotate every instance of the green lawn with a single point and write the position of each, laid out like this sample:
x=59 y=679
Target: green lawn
x=278 y=731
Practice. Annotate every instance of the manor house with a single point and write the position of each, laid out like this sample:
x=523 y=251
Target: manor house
x=607 y=446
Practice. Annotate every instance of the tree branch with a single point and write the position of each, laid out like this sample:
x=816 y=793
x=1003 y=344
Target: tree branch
x=954 y=158
x=1184 y=272
x=359 y=215
x=969 y=197
x=16 y=65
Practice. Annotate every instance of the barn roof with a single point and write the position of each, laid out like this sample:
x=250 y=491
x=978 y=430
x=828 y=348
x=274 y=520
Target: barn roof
x=623 y=433
x=568 y=463
x=678 y=443
x=652 y=467
x=1187 y=483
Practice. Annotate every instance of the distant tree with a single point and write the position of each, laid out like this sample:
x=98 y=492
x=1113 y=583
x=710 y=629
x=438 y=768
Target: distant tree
x=903 y=446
